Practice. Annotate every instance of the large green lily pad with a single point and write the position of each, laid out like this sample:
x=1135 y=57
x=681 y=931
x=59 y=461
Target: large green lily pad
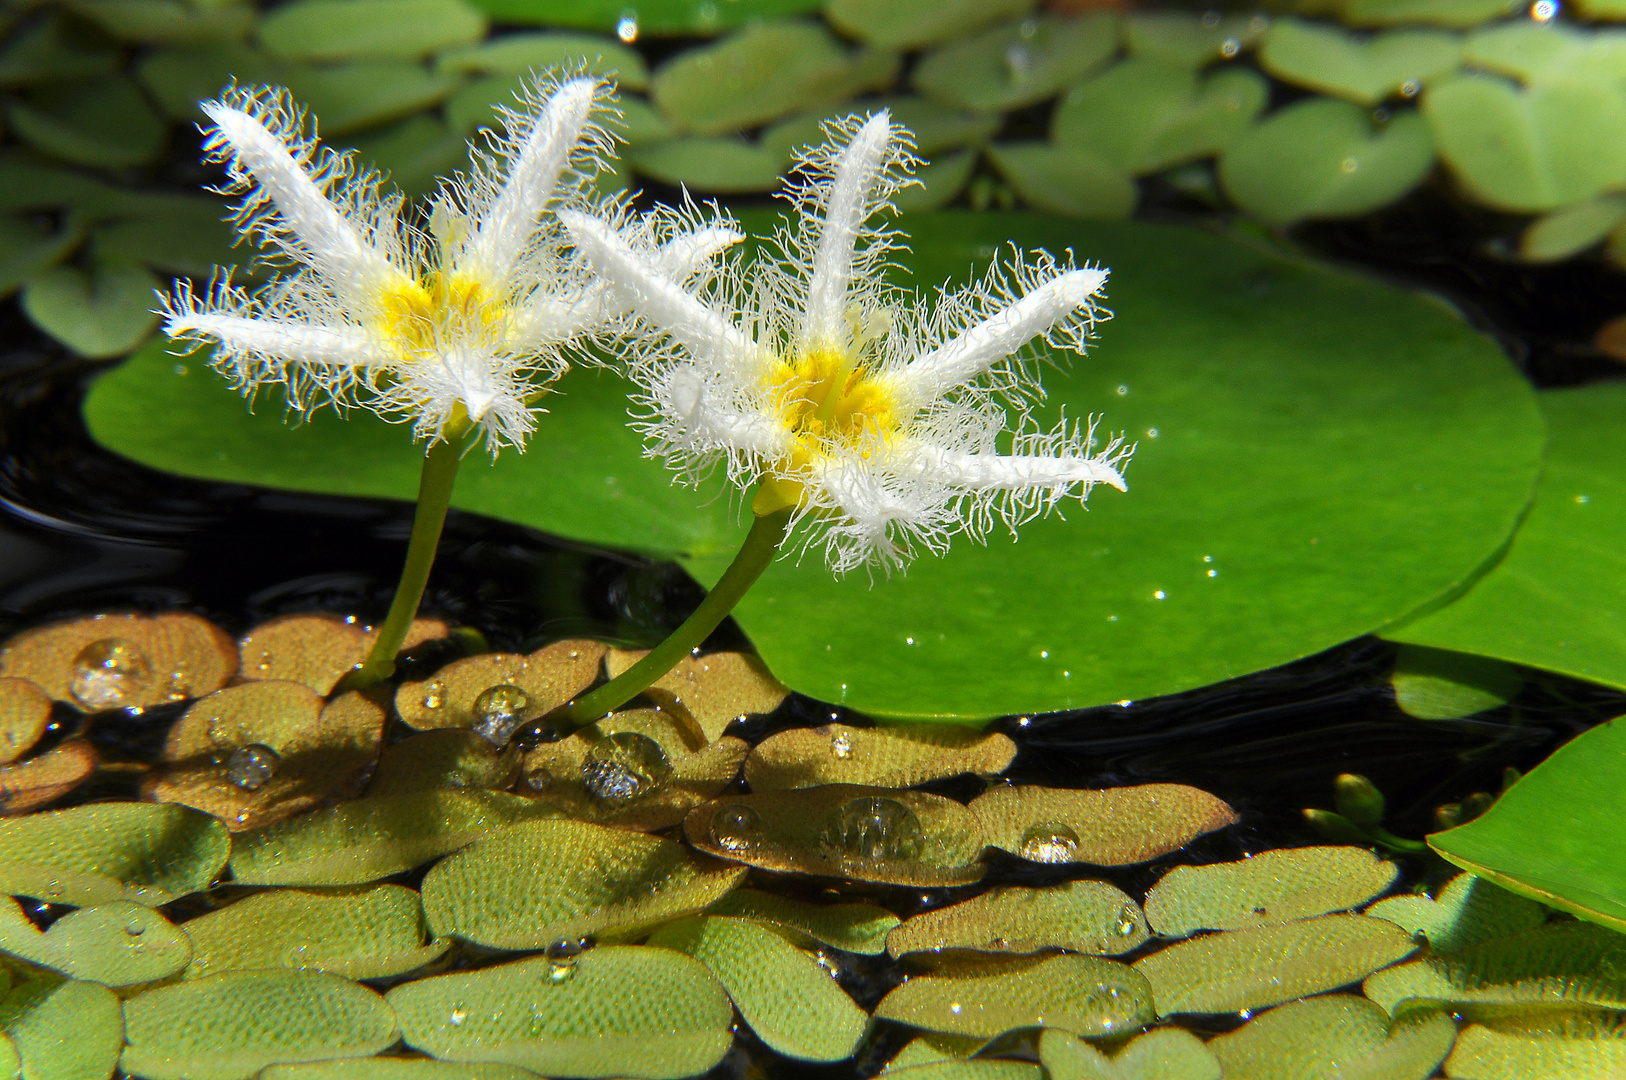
x=1558 y=598
x=1319 y=456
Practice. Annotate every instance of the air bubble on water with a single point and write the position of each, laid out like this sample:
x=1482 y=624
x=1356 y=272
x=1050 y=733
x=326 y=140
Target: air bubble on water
x=872 y=827
x=108 y=672
x=498 y=711
x=841 y=745
x=623 y=766
x=1049 y=842
x=250 y=767
x=435 y=696
x=734 y=828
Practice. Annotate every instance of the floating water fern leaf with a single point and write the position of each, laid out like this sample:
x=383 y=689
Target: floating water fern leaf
x=1080 y=994
x=1336 y=1035
x=1468 y=910
x=855 y=928
x=1114 y=827
x=1081 y=916
x=881 y=757
x=102 y=852
x=1271 y=887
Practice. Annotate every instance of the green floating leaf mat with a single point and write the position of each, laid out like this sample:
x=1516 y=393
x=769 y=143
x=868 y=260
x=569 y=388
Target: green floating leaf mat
x=116 y=944
x=1017 y=64
x=1260 y=376
x=648 y=17
x=394 y=1068
x=784 y=993
x=516 y=55
x=326 y=30
x=61 y=1029
x=1469 y=910
x=883 y=757
x=1189 y=39
x=1080 y=994
x=1112 y=827
x=909 y=24
x=1336 y=1035
x=95 y=854
x=855 y=928
x=982 y=1069
x=616 y=1011
x=1363 y=70
x=1268 y=888
x=1081 y=916
x=1160 y=1054
x=1573 y=1046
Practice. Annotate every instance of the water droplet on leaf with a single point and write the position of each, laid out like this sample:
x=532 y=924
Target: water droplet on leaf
x=733 y=828
x=108 y=672
x=872 y=827
x=624 y=765
x=435 y=697
x=498 y=711
x=250 y=767
x=1049 y=842
x=841 y=746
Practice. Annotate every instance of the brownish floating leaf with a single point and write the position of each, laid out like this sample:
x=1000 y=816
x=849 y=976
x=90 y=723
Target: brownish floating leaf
x=39 y=781
x=892 y=757
x=1080 y=916
x=845 y=830
x=25 y=709
x=546 y=680
x=123 y=661
x=642 y=769
x=317 y=650
x=716 y=689
x=1114 y=827
x=444 y=758
x=257 y=753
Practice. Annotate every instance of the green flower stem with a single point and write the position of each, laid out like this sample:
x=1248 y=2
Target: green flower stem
x=760 y=547
x=434 y=498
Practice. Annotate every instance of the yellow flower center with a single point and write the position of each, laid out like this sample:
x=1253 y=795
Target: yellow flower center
x=416 y=316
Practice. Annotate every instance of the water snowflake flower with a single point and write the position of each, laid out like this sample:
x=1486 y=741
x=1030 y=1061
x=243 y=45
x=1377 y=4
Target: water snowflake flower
x=884 y=422
x=463 y=323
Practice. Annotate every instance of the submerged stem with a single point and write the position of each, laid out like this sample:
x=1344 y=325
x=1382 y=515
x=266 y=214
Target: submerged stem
x=760 y=547
x=434 y=498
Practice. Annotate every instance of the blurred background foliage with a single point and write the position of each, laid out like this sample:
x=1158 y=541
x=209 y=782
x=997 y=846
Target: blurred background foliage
x=1301 y=109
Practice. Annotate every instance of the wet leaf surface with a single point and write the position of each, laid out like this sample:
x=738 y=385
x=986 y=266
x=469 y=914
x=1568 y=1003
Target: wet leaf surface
x=25 y=709
x=1160 y=1054
x=716 y=688
x=882 y=757
x=1572 y=1045
x=1363 y=69
x=622 y=1011
x=119 y=943
x=1336 y=1035
x=855 y=928
x=1080 y=994
x=444 y=758
x=1266 y=889
x=103 y=852
x=1113 y=827
x=1080 y=916
x=123 y=661
x=549 y=677
x=317 y=650
x=393 y=1068
x=652 y=17
x=63 y=1030
x=1468 y=910
x=1017 y=64
x=26 y=786
x=541 y=882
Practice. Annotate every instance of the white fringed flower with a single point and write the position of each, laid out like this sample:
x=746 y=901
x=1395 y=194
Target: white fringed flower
x=474 y=319
x=878 y=420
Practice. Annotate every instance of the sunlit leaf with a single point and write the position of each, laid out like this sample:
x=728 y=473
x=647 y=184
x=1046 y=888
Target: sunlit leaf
x=394 y=1068
x=724 y=165
x=785 y=994
x=618 y=1011
x=1018 y=63
x=649 y=17
x=1434 y=684
x=976 y=1069
x=844 y=830
x=1251 y=969
x=521 y=54
x=1324 y=158
x=1080 y=916
x=1566 y=232
x=109 y=661
x=1459 y=14
x=368 y=839
x=103 y=122
x=1469 y=910
x=25 y=709
x=715 y=689
x=368 y=29
x=883 y=757
x=537 y=883
x=367 y=933
x=1061 y=180
x=229 y=1027
x=856 y=928
x=102 y=313
x=317 y=649
x=1189 y=39
x=116 y=944
x=548 y=677
x=1080 y=994
x=444 y=758
x=63 y=1030
x=168 y=22
x=1161 y=1054
x=934 y=1047
x=1114 y=827
x=27 y=785
x=909 y=24
x=351 y=97
x=1531 y=51
x=102 y=852
x=1335 y=1036
x=1564 y=1046
x=1267 y=888
x=1365 y=70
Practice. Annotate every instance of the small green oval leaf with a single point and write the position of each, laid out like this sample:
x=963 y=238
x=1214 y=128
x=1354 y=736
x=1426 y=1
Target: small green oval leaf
x=351 y=97
x=882 y=757
x=1336 y=1035
x=725 y=166
x=515 y=55
x=1080 y=916
x=102 y=122
x=1435 y=684
x=119 y=943
x=102 y=852
x=1330 y=60
x=1112 y=827
x=318 y=30
x=1017 y=64
x=1570 y=1046
x=909 y=24
x=1266 y=889
x=63 y=1030
x=1161 y=1054
x=394 y=1068
x=1080 y=994
x=855 y=928
x=1469 y=910
x=105 y=312
x=1571 y=230
x=1065 y=181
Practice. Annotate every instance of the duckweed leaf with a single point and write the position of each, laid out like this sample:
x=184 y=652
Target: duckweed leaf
x=1469 y=910
x=855 y=928
x=1457 y=14
x=1209 y=342
x=1532 y=149
x=715 y=689
x=1017 y=64
x=621 y=1011
x=368 y=29
x=1548 y=836
x=909 y=24
x=1190 y=40
x=1332 y=61
x=258 y=753
x=1567 y=1046
x=317 y=650
x=1560 y=965
x=1531 y=51
x=393 y=1068
x=53 y=49
x=1324 y=158
x=785 y=994
x=1145 y=115
x=230 y=1026
x=1573 y=229
x=27 y=785
x=844 y=830
x=63 y=1030
x=351 y=97
x=1080 y=994
x=25 y=709
x=102 y=852
x=98 y=314
x=370 y=933
x=1161 y=1054
x=649 y=17
x=167 y=22
x=1333 y=1036
x=725 y=166
x=1061 y=180
x=548 y=677
x=1267 y=965
x=521 y=54
x=1434 y=684
x=179 y=78
x=367 y=839
x=1264 y=889
x=103 y=122
x=764 y=71
x=542 y=881
x=1114 y=827
x=1080 y=916
x=445 y=758
x=116 y=944
x=883 y=757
